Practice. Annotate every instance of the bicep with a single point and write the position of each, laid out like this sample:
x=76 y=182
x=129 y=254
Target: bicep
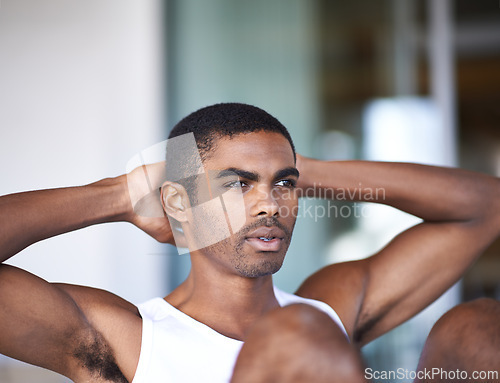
x=39 y=323
x=376 y=294
x=413 y=270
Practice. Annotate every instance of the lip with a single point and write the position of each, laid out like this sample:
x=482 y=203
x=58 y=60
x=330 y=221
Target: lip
x=271 y=245
x=266 y=232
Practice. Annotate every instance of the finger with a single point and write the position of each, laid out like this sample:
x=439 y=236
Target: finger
x=155 y=174
x=149 y=205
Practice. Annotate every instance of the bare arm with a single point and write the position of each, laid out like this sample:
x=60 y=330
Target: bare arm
x=59 y=326
x=26 y=218
x=461 y=217
x=29 y=217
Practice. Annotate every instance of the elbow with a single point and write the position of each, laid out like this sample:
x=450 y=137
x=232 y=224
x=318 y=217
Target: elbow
x=488 y=207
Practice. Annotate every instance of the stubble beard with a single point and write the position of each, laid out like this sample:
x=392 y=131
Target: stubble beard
x=244 y=263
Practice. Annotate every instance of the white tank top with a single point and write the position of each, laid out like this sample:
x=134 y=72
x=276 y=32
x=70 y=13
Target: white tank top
x=177 y=348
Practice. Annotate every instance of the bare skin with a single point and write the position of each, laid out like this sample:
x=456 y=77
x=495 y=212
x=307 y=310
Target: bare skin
x=297 y=344
x=465 y=339
x=460 y=219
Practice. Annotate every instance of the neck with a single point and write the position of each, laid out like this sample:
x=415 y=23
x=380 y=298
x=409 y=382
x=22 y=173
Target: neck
x=230 y=304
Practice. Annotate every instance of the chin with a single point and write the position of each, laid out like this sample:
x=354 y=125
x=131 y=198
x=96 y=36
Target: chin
x=261 y=270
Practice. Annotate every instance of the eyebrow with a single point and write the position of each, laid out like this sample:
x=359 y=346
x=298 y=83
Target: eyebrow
x=286 y=172
x=251 y=176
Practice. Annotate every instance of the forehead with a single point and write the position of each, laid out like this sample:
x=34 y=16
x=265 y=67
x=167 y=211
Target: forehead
x=257 y=152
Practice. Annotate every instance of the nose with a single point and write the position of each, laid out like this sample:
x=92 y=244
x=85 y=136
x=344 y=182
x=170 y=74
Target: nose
x=265 y=204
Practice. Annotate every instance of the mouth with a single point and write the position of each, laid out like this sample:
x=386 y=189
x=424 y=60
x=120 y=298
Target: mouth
x=266 y=239
x=265 y=244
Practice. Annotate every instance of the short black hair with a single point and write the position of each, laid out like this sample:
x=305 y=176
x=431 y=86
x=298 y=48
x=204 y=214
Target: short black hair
x=208 y=125
x=213 y=122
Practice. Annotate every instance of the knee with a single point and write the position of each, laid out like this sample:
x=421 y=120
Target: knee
x=296 y=315
x=477 y=320
x=467 y=335
x=300 y=321
x=303 y=344
x=487 y=308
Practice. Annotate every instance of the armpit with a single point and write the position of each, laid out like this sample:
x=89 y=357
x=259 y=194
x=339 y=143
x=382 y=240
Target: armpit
x=97 y=360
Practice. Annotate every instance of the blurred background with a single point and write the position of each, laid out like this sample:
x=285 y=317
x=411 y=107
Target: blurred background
x=84 y=86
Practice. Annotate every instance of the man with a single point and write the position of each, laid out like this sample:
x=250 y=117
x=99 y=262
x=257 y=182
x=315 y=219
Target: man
x=195 y=333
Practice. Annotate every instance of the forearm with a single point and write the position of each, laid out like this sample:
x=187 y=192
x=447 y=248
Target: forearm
x=29 y=217
x=431 y=193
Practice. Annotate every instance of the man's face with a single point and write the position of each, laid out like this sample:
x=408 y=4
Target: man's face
x=259 y=169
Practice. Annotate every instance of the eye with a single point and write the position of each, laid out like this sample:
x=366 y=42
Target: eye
x=235 y=185
x=288 y=183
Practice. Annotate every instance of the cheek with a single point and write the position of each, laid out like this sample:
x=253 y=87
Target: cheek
x=288 y=207
x=209 y=224
x=235 y=210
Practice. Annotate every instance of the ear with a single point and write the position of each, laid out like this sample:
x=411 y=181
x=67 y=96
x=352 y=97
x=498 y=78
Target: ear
x=175 y=201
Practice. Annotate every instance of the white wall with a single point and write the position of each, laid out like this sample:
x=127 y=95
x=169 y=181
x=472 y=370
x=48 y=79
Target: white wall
x=80 y=93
